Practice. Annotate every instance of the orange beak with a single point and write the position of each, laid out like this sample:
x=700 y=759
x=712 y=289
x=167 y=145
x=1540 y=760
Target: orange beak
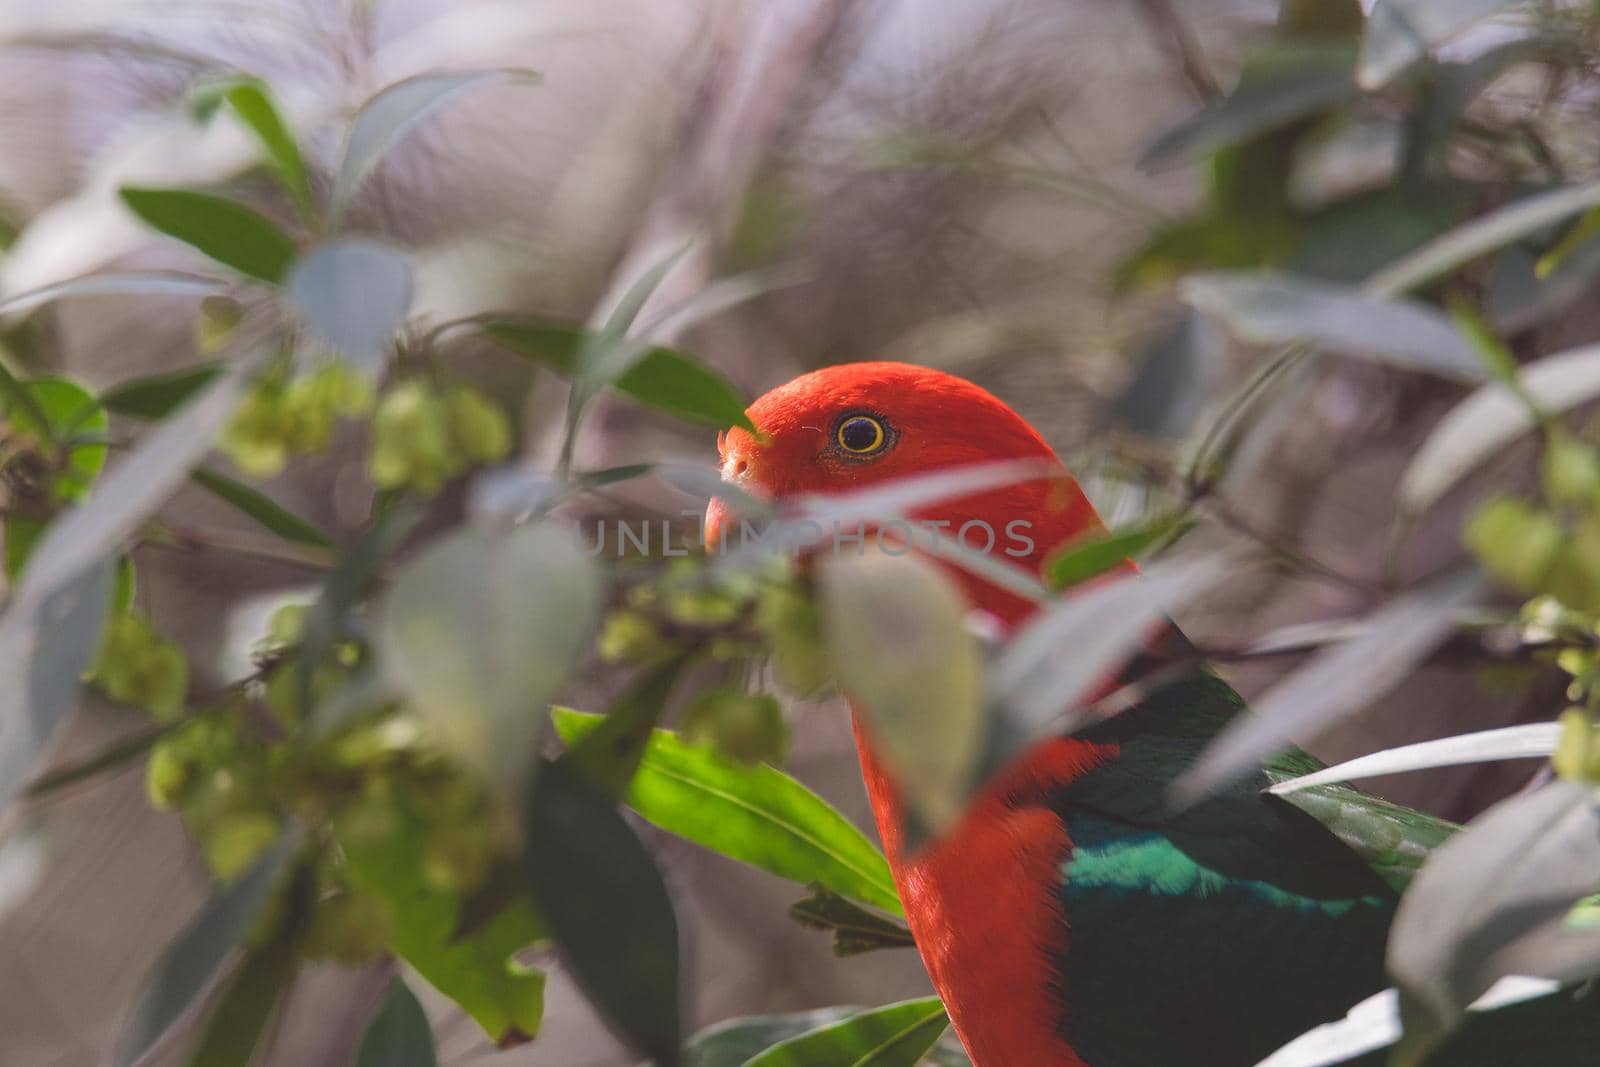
x=736 y=447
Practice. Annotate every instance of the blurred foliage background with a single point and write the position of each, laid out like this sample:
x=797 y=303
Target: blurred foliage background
x=1030 y=193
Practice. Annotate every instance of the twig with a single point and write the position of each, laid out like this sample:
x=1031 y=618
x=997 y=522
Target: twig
x=1173 y=36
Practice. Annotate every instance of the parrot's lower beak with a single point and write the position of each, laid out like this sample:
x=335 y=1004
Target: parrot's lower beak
x=717 y=516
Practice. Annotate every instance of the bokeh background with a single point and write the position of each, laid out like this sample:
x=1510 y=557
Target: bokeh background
x=953 y=184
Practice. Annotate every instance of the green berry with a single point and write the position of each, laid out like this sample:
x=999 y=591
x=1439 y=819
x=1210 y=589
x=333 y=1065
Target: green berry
x=746 y=726
x=1515 y=541
x=478 y=424
x=1571 y=472
x=138 y=666
x=628 y=637
x=232 y=842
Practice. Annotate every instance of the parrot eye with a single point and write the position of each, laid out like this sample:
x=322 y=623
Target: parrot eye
x=861 y=435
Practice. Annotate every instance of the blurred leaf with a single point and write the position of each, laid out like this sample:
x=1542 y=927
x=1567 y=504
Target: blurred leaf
x=1492 y=902
x=22 y=864
x=609 y=912
x=896 y=631
x=1530 y=741
x=69 y=410
x=49 y=646
x=252 y=101
x=732 y=1043
x=226 y=230
x=190 y=963
x=399 y=1035
x=855 y=929
x=1481 y=235
x=1080 y=561
x=1400 y=32
x=608 y=757
x=1336 y=683
x=1552 y=260
x=664 y=378
x=756 y=815
x=1035 y=690
x=270 y=515
x=240 y=1027
x=1281 y=309
x=158 y=395
x=113 y=284
x=1178 y=368
x=394 y=111
x=1279 y=87
x=480 y=632
x=907 y=1048
x=1492 y=418
x=900 y=497
x=856 y=1040
x=1353 y=238
x=354 y=294
x=1394 y=841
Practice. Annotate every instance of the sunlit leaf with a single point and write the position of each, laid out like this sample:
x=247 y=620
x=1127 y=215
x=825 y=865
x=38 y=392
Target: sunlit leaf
x=608 y=909
x=252 y=102
x=855 y=1040
x=258 y=506
x=354 y=294
x=754 y=814
x=1082 y=560
x=157 y=396
x=664 y=378
x=734 y=1042
x=1400 y=32
x=1281 y=309
x=226 y=230
x=1336 y=682
x=855 y=929
x=394 y=111
x=1482 y=425
x=1534 y=740
x=69 y=410
x=897 y=638
x=481 y=630
x=113 y=284
x=192 y=961
x=1492 y=902
x=399 y=1035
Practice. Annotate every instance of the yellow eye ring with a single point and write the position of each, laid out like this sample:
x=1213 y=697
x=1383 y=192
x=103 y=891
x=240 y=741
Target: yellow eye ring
x=860 y=435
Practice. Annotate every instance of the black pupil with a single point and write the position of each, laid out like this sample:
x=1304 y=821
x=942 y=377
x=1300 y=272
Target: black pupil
x=859 y=435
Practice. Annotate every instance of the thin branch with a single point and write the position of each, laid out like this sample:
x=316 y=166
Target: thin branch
x=1173 y=36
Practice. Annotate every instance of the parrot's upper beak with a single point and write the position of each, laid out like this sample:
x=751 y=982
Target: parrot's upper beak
x=739 y=451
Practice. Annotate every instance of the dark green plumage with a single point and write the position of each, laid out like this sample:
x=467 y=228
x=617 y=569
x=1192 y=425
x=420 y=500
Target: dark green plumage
x=1215 y=935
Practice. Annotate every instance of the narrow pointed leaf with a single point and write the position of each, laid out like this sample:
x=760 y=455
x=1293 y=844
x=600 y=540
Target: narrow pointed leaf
x=734 y=1042
x=855 y=929
x=845 y=1043
x=1082 y=560
x=1535 y=740
x=157 y=396
x=609 y=756
x=252 y=102
x=754 y=814
x=240 y=1027
x=258 y=506
x=907 y=1048
x=608 y=909
x=399 y=1035
x=226 y=230
x=1335 y=683
x=394 y=111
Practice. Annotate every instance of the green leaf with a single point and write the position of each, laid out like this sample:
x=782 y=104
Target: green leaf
x=399 y=1035
x=1394 y=841
x=1283 y=309
x=608 y=909
x=479 y=633
x=853 y=1042
x=394 y=111
x=226 y=230
x=1400 y=32
x=1084 y=560
x=897 y=637
x=240 y=1027
x=907 y=1048
x=756 y=815
x=191 y=962
x=252 y=102
x=734 y=1042
x=354 y=294
x=271 y=516
x=69 y=410
x=1335 y=683
x=158 y=395
x=855 y=930
x=609 y=756
x=1492 y=418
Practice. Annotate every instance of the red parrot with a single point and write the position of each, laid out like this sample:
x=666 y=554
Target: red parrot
x=1071 y=918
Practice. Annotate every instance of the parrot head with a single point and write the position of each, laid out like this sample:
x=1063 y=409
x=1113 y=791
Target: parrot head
x=853 y=425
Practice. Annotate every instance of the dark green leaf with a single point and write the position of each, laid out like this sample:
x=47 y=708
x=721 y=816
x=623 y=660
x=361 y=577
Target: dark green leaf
x=855 y=930
x=191 y=962
x=354 y=294
x=394 y=111
x=609 y=756
x=608 y=909
x=756 y=815
x=240 y=1027
x=271 y=516
x=226 y=230
x=733 y=1043
x=158 y=395
x=856 y=1039
x=399 y=1035
x=253 y=103
x=1083 y=560
x=1394 y=841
